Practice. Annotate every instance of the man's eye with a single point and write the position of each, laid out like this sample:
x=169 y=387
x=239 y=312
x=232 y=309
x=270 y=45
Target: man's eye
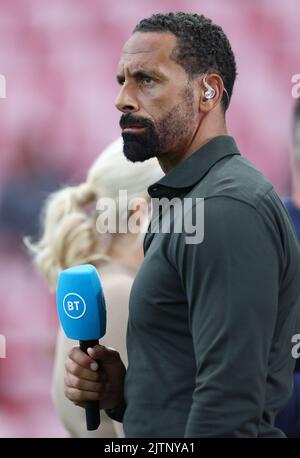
x=147 y=80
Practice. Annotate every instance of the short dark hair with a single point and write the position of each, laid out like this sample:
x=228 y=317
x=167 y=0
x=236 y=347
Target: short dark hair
x=202 y=46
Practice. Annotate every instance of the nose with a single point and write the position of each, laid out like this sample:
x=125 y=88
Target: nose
x=126 y=102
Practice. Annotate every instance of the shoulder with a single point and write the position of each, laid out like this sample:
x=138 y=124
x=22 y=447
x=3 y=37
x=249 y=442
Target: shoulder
x=221 y=226
x=226 y=219
x=237 y=179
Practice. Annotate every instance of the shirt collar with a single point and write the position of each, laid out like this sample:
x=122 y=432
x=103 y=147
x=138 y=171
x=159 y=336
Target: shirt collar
x=189 y=172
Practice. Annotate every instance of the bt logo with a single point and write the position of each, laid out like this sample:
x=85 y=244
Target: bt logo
x=74 y=306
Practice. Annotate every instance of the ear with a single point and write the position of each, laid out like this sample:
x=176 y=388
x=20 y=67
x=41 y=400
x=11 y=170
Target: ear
x=211 y=89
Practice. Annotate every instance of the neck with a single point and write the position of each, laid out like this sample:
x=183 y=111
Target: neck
x=212 y=125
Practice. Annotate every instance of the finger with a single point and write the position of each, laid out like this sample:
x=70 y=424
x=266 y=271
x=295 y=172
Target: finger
x=103 y=354
x=79 y=396
x=80 y=404
x=75 y=382
x=86 y=374
x=81 y=358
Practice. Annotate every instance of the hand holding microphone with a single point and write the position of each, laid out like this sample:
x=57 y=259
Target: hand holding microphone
x=82 y=312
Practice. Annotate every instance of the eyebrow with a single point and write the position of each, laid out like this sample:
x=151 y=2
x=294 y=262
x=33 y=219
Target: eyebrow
x=140 y=74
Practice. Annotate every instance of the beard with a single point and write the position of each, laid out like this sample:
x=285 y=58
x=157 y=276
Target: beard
x=160 y=137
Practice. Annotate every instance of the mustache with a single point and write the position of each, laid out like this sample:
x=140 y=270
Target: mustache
x=129 y=120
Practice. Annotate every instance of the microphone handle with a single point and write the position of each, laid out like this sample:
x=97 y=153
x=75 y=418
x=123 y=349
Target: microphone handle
x=92 y=408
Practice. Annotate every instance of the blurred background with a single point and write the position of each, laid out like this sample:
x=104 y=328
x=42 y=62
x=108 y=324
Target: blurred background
x=59 y=59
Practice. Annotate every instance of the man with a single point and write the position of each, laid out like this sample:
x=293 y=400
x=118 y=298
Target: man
x=289 y=419
x=210 y=324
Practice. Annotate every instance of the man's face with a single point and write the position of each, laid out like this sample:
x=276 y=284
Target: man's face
x=156 y=98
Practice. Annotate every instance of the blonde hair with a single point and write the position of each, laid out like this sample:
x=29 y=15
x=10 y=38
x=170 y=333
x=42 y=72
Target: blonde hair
x=69 y=226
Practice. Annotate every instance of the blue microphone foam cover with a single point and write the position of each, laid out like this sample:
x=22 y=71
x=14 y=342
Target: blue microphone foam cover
x=80 y=303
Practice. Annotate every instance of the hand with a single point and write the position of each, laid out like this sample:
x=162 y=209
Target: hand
x=96 y=376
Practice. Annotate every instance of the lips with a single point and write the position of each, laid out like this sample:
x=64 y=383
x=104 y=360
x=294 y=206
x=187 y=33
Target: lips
x=133 y=128
x=134 y=124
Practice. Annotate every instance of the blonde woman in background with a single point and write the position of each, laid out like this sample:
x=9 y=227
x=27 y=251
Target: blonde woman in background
x=70 y=238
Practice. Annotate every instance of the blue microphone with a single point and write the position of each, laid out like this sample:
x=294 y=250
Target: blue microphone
x=82 y=313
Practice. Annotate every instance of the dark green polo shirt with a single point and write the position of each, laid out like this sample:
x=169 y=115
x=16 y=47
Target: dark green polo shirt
x=210 y=323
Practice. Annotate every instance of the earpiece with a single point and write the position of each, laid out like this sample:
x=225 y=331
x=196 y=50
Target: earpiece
x=210 y=93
